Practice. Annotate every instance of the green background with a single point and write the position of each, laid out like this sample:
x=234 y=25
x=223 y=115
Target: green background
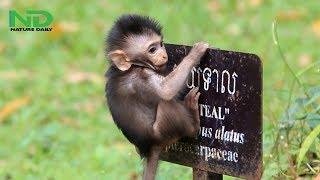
x=55 y=123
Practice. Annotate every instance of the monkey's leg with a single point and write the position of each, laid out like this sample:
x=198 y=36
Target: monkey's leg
x=173 y=120
x=151 y=164
x=163 y=133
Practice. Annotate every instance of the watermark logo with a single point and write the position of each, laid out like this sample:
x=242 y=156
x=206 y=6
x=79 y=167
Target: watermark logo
x=33 y=20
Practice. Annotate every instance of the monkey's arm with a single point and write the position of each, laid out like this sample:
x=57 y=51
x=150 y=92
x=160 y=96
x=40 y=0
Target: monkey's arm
x=167 y=87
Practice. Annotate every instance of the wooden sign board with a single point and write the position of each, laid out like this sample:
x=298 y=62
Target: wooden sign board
x=230 y=137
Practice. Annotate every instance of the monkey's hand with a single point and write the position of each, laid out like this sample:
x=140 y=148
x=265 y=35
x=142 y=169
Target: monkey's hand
x=198 y=51
x=191 y=99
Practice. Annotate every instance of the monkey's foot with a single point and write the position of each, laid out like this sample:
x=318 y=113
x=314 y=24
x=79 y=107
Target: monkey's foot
x=191 y=99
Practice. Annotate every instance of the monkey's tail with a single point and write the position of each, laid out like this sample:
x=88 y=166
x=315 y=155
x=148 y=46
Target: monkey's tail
x=151 y=164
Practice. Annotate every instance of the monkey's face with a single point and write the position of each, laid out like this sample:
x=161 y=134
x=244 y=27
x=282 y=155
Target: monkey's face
x=145 y=50
x=155 y=51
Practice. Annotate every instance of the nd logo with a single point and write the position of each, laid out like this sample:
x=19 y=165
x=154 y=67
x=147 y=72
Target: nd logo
x=32 y=18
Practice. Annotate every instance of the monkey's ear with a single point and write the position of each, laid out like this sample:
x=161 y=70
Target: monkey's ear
x=120 y=59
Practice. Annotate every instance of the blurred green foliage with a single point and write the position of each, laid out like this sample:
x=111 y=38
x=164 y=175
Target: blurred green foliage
x=58 y=126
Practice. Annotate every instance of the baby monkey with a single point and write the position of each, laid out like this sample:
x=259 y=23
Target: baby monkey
x=143 y=102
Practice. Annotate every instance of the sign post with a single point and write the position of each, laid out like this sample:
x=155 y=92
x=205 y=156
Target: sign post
x=203 y=175
x=230 y=137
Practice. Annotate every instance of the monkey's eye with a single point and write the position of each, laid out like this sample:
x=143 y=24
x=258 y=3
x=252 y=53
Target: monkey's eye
x=152 y=50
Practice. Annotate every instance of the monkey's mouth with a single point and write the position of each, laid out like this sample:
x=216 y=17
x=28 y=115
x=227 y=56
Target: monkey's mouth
x=146 y=64
x=161 y=68
x=143 y=64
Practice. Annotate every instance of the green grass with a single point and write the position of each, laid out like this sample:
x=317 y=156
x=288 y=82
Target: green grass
x=65 y=130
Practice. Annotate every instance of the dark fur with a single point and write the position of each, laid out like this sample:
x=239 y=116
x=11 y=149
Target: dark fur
x=125 y=26
x=132 y=100
x=135 y=111
x=124 y=109
x=130 y=25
